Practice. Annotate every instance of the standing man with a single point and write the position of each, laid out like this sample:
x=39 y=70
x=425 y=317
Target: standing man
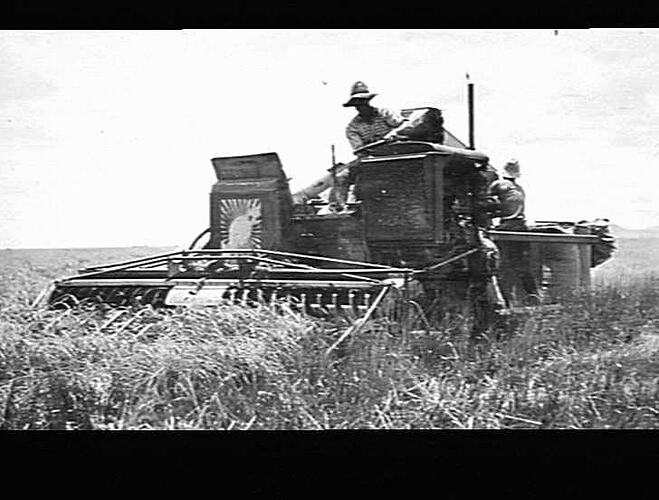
x=515 y=255
x=511 y=197
x=369 y=125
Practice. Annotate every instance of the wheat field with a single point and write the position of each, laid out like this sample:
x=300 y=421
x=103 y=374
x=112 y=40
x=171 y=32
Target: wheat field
x=593 y=364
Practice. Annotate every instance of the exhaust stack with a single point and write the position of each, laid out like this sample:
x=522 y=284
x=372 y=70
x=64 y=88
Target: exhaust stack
x=470 y=94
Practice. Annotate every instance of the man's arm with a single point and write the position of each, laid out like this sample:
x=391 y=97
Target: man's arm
x=493 y=189
x=354 y=138
x=493 y=197
x=393 y=118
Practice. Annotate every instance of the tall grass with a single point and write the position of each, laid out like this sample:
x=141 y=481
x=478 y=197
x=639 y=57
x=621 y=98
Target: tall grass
x=592 y=364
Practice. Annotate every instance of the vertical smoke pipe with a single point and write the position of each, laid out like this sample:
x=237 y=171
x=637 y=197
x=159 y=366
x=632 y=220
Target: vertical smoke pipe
x=470 y=93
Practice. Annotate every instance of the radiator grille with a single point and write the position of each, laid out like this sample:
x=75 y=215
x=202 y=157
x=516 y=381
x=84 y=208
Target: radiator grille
x=395 y=202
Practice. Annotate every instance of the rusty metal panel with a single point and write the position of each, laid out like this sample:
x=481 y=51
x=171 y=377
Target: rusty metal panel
x=434 y=169
x=535 y=259
x=396 y=201
x=251 y=203
x=382 y=149
x=336 y=236
x=563 y=262
x=259 y=166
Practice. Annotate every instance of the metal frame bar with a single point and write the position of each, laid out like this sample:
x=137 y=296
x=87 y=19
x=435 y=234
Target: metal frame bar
x=245 y=254
x=446 y=262
x=339 y=271
x=577 y=239
x=304 y=267
x=132 y=261
x=213 y=251
x=209 y=282
x=357 y=325
x=294 y=255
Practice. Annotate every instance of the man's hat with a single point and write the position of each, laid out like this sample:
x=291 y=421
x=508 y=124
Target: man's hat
x=359 y=91
x=511 y=169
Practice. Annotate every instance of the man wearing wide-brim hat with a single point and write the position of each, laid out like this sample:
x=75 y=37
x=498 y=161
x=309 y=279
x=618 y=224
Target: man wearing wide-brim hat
x=511 y=197
x=371 y=123
x=515 y=255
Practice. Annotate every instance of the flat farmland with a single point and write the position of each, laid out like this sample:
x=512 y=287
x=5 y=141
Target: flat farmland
x=40 y=266
x=636 y=258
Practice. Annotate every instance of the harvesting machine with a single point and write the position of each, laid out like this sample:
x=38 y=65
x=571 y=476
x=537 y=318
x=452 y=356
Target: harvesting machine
x=418 y=224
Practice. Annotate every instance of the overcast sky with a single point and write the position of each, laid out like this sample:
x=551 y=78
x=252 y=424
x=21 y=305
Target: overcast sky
x=106 y=137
